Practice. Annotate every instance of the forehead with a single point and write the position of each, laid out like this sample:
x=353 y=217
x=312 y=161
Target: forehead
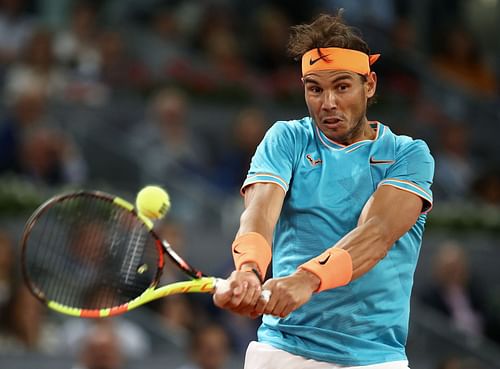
x=326 y=76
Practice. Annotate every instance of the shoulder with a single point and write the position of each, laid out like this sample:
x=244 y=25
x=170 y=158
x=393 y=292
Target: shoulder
x=408 y=146
x=294 y=127
x=296 y=131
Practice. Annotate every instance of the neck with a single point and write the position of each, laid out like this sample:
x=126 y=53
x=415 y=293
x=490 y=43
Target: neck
x=362 y=131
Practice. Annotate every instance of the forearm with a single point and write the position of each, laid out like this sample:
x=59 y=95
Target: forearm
x=252 y=245
x=252 y=220
x=380 y=225
x=367 y=244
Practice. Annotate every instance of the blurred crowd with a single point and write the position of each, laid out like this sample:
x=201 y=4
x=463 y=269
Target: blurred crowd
x=170 y=53
x=83 y=82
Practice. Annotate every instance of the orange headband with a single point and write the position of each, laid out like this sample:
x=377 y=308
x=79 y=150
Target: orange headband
x=335 y=58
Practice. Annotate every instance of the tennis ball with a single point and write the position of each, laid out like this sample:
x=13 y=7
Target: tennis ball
x=153 y=202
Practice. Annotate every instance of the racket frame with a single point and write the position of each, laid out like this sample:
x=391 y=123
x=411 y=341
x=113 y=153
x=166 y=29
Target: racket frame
x=200 y=283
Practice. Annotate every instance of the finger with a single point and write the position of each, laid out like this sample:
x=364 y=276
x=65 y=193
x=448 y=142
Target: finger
x=279 y=307
x=247 y=305
x=239 y=294
x=223 y=293
x=221 y=299
x=288 y=309
x=262 y=302
x=238 y=287
x=252 y=296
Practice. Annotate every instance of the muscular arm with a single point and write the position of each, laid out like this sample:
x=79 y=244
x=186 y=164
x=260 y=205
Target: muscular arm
x=387 y=216
x=263 y=202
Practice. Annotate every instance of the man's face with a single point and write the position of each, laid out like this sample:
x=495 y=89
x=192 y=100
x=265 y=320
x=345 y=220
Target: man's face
x=337 y=102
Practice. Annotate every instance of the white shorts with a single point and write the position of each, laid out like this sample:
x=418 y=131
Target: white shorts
x=263 y=356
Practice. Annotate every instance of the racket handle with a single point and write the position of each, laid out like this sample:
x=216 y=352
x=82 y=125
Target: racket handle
x=222 y=285
x=265 y=295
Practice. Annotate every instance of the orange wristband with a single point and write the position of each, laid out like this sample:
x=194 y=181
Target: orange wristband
x=333 y=268
x=252 y=247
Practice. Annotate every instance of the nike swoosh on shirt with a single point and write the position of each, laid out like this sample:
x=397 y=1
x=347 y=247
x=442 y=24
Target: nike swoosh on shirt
x=375 y=161
x=313 y=61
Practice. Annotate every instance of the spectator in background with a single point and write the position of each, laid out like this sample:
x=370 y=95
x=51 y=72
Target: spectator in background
x=77 y=46
x=216 y=65
x=26 y=110
x=278 y=75
x=167 y=145
x=209 y=348
x=487 y=186
x=176 y=319
x=399 y=69
x=454 y=362
x=455 y=168
x=24 y=327
x=160 y=43
x=169 y=152
x=32 y=146
x=375 y=19
x=118 y=69
x=100 y=348
x=48 y=157
x=234 y=158
x=6 y=270
x=37 y=67
x=460 y=62
x=450 y=363
x=453 y=292
x=15 y=30
x=130 y=338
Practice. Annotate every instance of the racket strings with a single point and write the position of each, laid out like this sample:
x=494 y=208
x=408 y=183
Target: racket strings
x=89 y=253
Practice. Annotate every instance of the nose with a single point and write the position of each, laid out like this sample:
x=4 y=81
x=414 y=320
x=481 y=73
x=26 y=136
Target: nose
x=329 y=100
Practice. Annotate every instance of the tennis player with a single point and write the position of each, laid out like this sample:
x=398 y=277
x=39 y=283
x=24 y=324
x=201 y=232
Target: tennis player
x=343 y=202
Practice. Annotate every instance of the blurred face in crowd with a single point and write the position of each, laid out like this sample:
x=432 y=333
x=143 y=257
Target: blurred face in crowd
x=6 y=256
x=211 y=348
x=169 y=109
x=12 y=7
x=250 y=129
x=337 y=102
x=29 y=107
x=39 y=51
x=450 y=265
x=27 y=317
x=101 y=349
x=84 y=21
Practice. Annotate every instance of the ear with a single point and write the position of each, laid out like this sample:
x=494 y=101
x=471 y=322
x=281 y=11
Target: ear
x=371 y=84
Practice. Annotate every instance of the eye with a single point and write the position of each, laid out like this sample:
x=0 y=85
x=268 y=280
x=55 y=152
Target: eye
x=315 y=89
x=343 y=87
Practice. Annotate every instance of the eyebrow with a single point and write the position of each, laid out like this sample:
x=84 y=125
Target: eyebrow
x=335 y=80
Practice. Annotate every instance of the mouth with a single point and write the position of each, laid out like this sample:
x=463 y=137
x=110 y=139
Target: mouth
x=331 y=122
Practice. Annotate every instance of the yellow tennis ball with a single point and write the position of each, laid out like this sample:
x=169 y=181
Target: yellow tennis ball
x=153 y=202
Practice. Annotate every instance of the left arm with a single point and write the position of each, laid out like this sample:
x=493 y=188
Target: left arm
x=389 y=214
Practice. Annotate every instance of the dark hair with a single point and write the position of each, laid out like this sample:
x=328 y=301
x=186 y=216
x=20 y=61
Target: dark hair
x=325 y=31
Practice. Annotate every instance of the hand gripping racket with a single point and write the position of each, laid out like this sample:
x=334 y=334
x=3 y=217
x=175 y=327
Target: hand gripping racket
x=90 y=254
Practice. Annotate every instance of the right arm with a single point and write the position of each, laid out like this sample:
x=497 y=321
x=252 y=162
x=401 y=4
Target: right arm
x=263 y=203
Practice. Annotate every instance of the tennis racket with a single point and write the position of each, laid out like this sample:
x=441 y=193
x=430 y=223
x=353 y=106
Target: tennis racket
x=90 y=254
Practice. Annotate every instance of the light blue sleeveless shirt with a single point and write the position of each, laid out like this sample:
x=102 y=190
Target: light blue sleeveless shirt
x=327 y=186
